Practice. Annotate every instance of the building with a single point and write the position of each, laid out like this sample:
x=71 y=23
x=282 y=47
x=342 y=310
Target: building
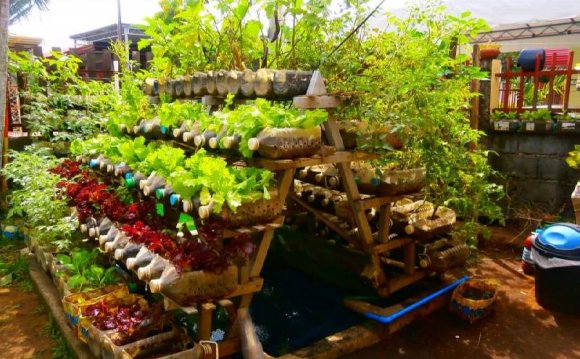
x=92 y=47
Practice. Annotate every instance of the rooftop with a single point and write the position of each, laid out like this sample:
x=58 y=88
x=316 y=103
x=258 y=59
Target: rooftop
x=109 y=33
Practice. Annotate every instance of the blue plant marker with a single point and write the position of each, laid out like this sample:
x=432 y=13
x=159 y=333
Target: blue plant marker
x=164 y=130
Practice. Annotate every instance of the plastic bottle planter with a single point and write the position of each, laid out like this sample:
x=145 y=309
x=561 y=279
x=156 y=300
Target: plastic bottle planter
x=73 y=304
x=429 y=225
x=538 y=126
x=120 y=241
x=104 y=225
x=109 y=236
x=187 y=288
x=140 y=348
x=95 y=337
x=286 y=143
x=249 y=213
x=143 y=258
x=129 y=251
x=507 y=125
x=442 y=255
x=152 y=183
x=569 y=127
x=391 y=183
x=278 y=84
x=407 y=210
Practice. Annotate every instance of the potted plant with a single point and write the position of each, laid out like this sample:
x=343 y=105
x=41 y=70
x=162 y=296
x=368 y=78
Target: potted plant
x=505 y=121
x=489 y=51
x=568 y=123
x=537 y=121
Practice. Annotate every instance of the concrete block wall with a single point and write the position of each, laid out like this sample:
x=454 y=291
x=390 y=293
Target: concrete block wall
x=537 y=176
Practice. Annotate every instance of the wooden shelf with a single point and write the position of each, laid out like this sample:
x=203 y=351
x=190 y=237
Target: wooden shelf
x=337 y=157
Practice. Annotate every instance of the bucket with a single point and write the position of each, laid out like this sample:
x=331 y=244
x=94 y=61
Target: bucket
x=527 y=59
x=556 y=255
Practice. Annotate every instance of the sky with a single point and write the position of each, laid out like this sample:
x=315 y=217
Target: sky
x=68 y=17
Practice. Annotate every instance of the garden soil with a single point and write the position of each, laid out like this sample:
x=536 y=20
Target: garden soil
x=22 y=325
x=518 y=328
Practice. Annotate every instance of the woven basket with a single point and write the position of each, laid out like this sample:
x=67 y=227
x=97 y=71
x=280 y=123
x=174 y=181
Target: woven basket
x=474 y=309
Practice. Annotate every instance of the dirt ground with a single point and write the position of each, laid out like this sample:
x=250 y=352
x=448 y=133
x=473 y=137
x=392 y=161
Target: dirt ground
x=23 y=325
x=519 y=328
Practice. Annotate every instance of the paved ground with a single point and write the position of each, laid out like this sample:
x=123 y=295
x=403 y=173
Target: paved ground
x=519 y=328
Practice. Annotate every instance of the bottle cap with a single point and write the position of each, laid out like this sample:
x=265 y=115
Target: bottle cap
x=130 y=183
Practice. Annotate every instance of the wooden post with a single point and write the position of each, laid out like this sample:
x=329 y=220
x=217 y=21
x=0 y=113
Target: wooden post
x=351 y=189
x=506 y=84
x=495 y=81
x=536 y=82
x=568 y=81
x=205 y=319
x=552 y=76
x=521 y=94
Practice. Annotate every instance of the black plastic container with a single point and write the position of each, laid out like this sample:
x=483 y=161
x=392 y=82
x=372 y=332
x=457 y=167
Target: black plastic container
x=556 y=254
x=527 y=59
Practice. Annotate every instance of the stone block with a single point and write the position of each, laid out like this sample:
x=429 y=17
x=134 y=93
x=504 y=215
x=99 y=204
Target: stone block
x=515 y=165
x=546 y=144
x=502 y=143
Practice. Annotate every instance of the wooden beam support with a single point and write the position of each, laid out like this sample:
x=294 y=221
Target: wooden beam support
x=392 y=244
x=494 y=87
x=205 y=319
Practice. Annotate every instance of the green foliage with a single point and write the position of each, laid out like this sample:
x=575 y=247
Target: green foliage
x=573 y=159
x=406 y=80
x=58 y=104
x=132 y=105
x=36 y=197
x=163 y=161
x=500 y=115
x=541 y=115
x=61 y=350
x=83 y=272
x=211 y=180
x=173 y=114
x=188 y=36
x=247 y=121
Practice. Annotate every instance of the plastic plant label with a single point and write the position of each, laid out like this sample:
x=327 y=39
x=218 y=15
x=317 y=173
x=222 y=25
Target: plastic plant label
x=530 y=126
x=568 y=126
x=502 y=126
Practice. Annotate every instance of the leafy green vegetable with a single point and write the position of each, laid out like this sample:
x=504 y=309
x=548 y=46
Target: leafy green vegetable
x=83 y=272
x=211 y=180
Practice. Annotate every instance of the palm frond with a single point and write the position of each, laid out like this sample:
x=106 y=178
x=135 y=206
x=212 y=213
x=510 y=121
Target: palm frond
x=20 y=9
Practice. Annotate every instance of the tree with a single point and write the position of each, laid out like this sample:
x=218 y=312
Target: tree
x=21 y=8
x=10 y=12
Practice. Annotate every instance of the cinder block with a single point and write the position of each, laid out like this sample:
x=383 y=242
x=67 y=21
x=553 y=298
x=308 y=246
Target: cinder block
x=546 y=144
x=518 y=166
x=502 y=143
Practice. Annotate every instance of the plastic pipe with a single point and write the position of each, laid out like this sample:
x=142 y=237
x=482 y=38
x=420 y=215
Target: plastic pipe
x=390 y=318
